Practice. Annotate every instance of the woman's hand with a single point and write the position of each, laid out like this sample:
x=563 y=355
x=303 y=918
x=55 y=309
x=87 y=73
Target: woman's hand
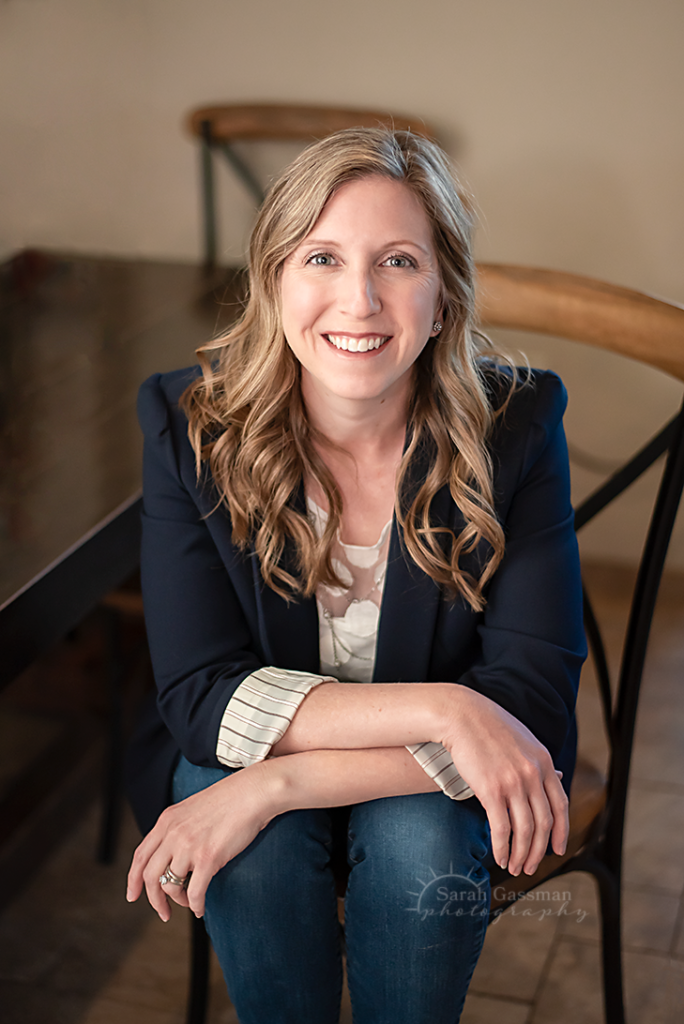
x=512 y=775
x=200 y=835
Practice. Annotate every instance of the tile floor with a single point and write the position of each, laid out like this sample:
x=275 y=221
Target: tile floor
x=73 y=952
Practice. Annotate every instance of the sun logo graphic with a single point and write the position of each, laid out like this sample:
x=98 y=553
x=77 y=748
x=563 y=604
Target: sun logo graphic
x=450 y=895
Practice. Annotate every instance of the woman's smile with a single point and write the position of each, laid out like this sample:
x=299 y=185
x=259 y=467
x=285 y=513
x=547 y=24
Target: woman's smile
x=357 y=342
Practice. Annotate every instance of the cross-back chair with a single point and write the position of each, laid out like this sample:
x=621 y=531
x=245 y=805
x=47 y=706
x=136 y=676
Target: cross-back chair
x=217 y=128
x=651 y=331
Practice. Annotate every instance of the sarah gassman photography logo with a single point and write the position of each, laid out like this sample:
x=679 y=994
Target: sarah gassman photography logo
x=453 y=895
x=450 y=895
x=539 y=903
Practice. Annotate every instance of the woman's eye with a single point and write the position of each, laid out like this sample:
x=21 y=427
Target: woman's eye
x=321 y=259
x=398 y=261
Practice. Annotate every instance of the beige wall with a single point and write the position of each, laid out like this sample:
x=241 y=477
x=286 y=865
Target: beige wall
x=564 y=117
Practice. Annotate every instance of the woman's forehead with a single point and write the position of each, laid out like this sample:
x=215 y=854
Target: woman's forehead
x=371 y=204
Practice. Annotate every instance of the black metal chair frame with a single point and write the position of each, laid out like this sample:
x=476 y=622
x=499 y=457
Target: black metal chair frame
x=208 y=146
x=602 y=854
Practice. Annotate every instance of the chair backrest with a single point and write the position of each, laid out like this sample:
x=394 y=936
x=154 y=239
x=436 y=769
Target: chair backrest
x=218 y=127
x=651 y=331
x=235 y=121
x=621 y=320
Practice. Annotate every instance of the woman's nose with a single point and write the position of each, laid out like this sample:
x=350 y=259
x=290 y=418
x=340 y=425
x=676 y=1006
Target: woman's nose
x=360 y=297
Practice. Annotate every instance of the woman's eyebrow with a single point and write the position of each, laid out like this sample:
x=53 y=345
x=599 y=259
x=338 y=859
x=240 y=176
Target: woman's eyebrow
x=410 y=241
x=308 y=242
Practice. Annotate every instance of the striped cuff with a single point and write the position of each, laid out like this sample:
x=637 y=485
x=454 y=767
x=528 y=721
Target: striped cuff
x=259 y=712
x=436 y=760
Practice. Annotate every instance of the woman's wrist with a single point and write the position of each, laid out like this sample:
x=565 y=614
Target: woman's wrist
x=271 y=785
x=441 y=709
x=451 y=703
x=282 y=783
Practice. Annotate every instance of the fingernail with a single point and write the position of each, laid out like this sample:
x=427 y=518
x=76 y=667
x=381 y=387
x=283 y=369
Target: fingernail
x=503 y=863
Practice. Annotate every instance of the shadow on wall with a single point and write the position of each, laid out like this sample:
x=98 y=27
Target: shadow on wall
x=561 y=214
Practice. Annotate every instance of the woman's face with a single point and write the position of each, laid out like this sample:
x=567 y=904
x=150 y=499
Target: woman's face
x=361 y=293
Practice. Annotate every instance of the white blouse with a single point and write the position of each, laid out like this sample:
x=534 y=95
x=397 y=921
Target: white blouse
x=264 y=704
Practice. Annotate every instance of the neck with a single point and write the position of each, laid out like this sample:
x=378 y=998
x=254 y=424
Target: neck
x=361 y=428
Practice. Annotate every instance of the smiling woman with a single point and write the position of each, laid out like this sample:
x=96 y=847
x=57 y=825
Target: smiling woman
x=350 y=498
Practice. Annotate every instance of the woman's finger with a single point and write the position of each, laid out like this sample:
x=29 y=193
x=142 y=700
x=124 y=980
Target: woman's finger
x=558 y=802
x=155 y=894
x=198 y=885
x=543 y=823
x=523 y=829
x=141 y=857
x=499 y=826
x=159 y=893
x=176 y=880
x=157 y=897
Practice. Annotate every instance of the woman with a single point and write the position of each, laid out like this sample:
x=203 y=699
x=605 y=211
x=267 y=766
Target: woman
x=352 y=498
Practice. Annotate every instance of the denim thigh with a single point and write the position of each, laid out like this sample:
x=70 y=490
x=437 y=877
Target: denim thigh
x=415 y=910
x=271 y=914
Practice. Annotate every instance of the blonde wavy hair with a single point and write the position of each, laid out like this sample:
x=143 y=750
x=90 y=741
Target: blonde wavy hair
x=247 y=420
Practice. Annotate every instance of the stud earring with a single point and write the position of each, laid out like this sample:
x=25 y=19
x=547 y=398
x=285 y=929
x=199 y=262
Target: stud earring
x=437 y=327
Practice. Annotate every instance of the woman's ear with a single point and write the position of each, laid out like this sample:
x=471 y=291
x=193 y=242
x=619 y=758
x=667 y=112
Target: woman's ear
x=438 y=322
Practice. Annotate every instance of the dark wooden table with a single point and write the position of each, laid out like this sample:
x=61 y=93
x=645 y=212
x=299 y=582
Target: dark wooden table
x=77 y=337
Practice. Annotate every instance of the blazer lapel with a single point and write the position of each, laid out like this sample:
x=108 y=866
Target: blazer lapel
x=410 y=603
x=288 y=632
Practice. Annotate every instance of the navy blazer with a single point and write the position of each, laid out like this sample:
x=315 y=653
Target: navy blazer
x=211 y=620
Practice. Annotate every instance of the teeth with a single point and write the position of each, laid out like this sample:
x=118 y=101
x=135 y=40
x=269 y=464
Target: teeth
x=357 y=344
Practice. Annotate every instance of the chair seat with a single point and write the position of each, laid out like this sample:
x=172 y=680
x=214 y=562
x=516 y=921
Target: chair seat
x=587 y=800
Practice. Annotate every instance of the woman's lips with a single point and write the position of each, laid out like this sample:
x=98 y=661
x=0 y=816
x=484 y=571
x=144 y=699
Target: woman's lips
x=349 y=343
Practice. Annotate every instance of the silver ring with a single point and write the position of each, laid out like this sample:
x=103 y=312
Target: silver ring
x=169 y=878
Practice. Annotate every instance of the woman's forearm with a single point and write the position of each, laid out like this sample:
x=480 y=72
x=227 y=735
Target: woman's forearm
x=334 y=778
x=347 y=716
x=206 y=830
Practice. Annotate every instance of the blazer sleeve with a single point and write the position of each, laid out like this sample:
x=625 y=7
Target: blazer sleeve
x=204 y=654
x=531 y=634
x=200 y=644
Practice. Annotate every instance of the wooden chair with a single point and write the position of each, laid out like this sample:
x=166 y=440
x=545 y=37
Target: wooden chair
x=651 y=331
x=218 y=127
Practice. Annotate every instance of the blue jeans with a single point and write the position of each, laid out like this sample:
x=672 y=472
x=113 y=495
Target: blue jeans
x=415 y=910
